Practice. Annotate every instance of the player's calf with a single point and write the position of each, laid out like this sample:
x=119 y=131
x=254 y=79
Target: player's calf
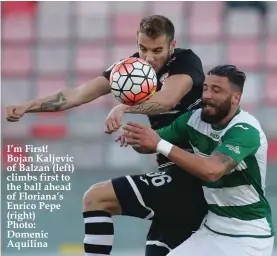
x=99 y=205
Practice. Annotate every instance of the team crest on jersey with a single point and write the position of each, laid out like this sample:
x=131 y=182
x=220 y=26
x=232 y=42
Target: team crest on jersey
x=215 y=136
x=164 y=77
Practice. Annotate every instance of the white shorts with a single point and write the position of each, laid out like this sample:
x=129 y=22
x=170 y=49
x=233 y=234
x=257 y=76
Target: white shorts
x=206 y=243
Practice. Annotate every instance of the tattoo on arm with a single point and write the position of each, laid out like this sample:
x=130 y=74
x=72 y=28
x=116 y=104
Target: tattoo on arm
x=55 y=104
x=226 y=160
x=149 y=108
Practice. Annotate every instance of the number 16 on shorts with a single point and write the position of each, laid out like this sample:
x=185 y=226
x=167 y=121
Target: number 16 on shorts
x=156 y=178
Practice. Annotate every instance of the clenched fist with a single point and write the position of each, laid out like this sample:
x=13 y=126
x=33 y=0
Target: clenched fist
x=14 y=113
x=114 y=120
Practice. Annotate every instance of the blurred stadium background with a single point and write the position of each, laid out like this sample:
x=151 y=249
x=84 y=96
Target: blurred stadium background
x=51 y=45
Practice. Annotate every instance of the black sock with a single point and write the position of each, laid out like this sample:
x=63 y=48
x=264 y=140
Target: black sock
x=99 y=233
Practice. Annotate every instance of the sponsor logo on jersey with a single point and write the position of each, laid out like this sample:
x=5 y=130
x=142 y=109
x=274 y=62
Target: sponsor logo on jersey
x=234 y=149
x=164 y=77
x=241 y=126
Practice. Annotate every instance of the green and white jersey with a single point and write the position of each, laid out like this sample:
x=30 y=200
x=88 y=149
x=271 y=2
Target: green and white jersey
x=237 y=203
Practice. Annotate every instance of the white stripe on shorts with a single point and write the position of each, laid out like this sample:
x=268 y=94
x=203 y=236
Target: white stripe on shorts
x=158 y=243
x=139 y=197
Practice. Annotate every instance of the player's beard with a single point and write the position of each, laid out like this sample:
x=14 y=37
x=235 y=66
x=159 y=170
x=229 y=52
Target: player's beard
x=220 y=111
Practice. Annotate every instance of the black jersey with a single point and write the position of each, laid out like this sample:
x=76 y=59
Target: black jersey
x=182 y=61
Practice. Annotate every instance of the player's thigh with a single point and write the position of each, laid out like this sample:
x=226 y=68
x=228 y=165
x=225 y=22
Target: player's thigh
x=147 y=195
x=173 y=195
x=166 y=194
x=131 y=192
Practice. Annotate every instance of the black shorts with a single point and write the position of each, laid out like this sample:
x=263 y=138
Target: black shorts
x=171 y=198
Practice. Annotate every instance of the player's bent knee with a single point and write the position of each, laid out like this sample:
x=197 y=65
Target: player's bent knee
x=101 y=196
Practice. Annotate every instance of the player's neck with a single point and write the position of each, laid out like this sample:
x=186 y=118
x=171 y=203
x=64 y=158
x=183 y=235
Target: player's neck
x=227 y=119
x=170 y=55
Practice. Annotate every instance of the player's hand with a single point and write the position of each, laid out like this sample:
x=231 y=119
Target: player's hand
x=143 y=136
x=14 y=113
x=114 y=119
x=122 y=140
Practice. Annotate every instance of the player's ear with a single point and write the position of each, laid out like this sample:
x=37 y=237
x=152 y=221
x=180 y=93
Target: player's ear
x=172 y=45
x=236 y=98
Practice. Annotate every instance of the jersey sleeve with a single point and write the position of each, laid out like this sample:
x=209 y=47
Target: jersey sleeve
x=177 y=131
x=240 y=141
x=189 y=63
x=108 y=71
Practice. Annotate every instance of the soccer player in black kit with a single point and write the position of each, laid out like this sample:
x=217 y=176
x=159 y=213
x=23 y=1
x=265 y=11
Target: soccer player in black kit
x=170 y=197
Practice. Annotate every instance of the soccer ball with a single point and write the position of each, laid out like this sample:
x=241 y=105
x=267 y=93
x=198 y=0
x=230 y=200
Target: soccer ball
x=133 y=81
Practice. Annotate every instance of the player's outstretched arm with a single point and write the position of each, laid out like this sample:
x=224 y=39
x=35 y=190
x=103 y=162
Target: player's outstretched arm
x=61 y=100
x=173 y=90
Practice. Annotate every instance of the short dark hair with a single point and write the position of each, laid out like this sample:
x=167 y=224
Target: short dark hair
x=234 y=75
x=156 y=25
